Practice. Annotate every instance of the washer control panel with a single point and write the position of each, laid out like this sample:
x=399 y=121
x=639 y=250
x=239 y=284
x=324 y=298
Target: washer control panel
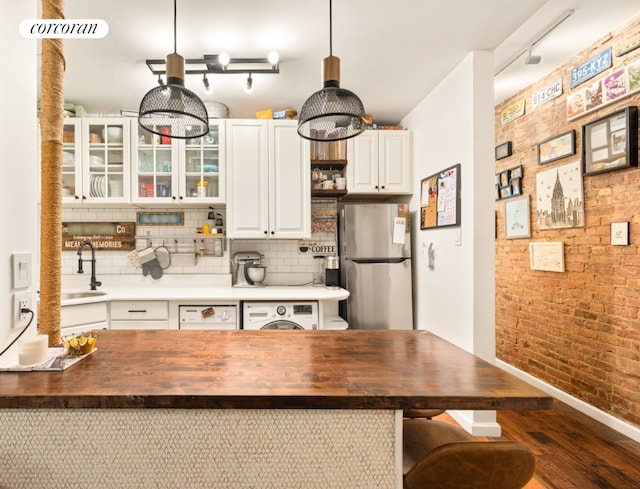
x=208 y=317
x=256 y=315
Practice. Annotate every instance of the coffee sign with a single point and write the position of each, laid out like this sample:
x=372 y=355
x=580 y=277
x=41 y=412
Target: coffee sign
x=104 y=236
x=318 y=248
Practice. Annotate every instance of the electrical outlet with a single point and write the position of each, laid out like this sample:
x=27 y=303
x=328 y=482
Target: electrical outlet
x=21 y=300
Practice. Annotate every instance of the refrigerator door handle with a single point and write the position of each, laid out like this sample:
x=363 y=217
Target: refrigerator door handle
x=379 y=260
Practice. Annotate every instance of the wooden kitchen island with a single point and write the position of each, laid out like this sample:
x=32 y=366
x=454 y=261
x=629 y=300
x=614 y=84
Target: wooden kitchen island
x=238 y=409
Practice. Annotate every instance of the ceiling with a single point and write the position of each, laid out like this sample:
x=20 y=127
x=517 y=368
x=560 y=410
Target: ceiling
x=392 y=53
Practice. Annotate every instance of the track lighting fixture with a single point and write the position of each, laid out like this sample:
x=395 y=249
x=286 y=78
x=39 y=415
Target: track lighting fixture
x=249 y=85
x=532 y=59
x=207 y=86
x=222 y=64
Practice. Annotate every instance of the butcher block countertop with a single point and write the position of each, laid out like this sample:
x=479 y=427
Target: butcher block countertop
x=352 y=369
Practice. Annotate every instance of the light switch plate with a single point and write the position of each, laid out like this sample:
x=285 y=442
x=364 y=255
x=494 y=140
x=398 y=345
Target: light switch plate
x=21 y=270
x=459 y=237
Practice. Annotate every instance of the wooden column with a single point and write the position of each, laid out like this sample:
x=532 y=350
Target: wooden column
x=51 y=128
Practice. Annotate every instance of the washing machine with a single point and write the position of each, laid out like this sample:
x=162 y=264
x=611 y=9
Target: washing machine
x=301 y=315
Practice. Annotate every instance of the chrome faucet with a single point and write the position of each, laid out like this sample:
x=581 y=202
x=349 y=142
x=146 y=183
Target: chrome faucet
x=94 y=283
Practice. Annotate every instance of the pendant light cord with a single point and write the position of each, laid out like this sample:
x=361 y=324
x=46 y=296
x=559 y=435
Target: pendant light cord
x=175 y=23
x=330 y=31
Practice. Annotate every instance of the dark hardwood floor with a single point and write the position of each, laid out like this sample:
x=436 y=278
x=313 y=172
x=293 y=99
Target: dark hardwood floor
x=572 y=450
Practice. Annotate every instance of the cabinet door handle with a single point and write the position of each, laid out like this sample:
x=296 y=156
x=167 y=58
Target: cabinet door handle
x=382 y=186
x=137 y=310
x=273 y=232
x=173 y=197
x=266 y=232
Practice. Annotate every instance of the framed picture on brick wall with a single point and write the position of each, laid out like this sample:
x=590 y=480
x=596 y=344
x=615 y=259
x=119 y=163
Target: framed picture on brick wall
x=547 y=256
x=517 y=218
x=557 y=147
x=560 y=197
x=611 y=143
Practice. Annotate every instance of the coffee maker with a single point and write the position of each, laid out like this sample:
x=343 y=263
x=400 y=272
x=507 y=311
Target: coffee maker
x=247 y=271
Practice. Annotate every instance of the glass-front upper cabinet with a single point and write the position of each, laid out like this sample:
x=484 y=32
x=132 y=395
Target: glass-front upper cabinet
x=105 y=159
x=72 y=161
x=177 y=170
x=202 y=163
x=155 y=168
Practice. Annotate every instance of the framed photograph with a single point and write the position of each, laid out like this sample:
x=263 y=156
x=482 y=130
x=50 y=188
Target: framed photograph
x=611 y=143
x=557 y=147
x=516 y=218
x=515 y=172
x=504 y=150
x=516 y=188
x=620 y=233
x=508 y=183
x=547 y=256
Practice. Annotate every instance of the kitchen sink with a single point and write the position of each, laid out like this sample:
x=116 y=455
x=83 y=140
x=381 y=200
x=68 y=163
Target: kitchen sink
x=85 y=294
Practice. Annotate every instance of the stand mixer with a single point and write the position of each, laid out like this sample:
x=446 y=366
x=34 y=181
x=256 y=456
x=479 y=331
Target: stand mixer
x=247 y=271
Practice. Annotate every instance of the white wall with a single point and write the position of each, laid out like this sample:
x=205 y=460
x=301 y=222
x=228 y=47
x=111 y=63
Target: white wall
x=455 y=300
x=18 y=160
x=454 y=124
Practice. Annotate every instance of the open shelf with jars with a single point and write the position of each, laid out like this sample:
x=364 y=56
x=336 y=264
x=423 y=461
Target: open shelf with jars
x=325 y=175
x=328 y=163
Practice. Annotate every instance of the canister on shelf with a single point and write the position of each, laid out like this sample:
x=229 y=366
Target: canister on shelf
x=332 y=271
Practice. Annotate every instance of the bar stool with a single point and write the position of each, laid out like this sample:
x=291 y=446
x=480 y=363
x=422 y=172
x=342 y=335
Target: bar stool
x=439 y=455
x=422 y=413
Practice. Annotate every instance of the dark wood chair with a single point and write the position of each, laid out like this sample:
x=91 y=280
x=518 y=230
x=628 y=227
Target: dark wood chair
x=439 y=455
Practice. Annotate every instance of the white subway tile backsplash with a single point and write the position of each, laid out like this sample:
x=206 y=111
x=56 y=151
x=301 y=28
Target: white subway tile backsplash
x=285 y=263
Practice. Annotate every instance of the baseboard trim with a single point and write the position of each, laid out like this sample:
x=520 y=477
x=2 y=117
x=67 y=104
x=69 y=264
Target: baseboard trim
x=466 y=419
x=606 y=419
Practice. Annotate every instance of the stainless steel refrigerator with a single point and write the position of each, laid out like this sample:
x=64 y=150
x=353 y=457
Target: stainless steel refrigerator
x=375 y=265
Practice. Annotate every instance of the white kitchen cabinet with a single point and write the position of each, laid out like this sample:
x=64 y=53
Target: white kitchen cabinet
x=78 y=318
x=167 y=170
x=139 y=315
x=95 y=161
x=380 y=162
x=268 y=180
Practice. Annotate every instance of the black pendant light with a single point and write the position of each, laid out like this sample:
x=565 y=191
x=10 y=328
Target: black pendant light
x=172 y=107
x=332 y=113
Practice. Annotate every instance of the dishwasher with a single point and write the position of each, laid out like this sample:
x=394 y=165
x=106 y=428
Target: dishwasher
x=208 y=316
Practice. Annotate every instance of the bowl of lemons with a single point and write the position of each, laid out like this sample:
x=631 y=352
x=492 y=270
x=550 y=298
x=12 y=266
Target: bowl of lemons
x=80 y=345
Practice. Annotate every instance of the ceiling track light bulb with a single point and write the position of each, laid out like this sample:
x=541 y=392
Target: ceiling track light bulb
x=249 y=85
x=224 y=59
x=274 y=58
x=207 y=86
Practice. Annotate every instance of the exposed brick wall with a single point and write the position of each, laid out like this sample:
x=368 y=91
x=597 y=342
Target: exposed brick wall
x=578 y=330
